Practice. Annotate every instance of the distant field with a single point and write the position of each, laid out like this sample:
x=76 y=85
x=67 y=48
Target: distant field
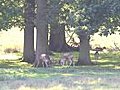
x=106 y=41
x=11 y=39
x=14 y=39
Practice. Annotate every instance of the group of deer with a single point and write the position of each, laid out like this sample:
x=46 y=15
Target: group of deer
x=66 y=58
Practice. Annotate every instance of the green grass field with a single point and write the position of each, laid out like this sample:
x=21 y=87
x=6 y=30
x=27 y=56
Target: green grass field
x=16 y=75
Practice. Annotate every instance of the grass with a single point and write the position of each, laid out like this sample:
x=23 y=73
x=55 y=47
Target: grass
x=16 y=75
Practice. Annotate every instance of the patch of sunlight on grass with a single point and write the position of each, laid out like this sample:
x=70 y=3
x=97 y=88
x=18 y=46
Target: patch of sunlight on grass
x=26 y=88
x=61 y=67
x=112 y=66
x=9 y=56
x=99 y=89
x=77 y=82
x=58 y=87
x=67 y=74
x=117 y=67
x=109 y=65
x=44 y=75
x=104 y=60
x=95 y=81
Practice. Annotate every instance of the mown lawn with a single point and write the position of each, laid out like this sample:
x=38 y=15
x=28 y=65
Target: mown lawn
x=16 y=75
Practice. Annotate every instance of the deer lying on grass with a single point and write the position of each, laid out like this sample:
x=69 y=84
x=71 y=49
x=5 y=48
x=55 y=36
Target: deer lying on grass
x=45 y=60
x=67 y=58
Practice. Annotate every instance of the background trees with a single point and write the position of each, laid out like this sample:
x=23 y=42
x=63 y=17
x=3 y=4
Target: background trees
x=57 y=22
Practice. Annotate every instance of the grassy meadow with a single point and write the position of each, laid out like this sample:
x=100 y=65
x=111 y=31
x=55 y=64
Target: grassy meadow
x=17 y=75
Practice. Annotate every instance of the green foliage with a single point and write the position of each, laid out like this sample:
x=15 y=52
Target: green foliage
x=88 y=15
x=11 y=14
x=91 y=15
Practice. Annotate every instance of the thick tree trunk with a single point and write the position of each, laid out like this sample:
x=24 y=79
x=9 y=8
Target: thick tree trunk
x=57 y=38
x=41 y=26
x=84 y=52
x=28 y=54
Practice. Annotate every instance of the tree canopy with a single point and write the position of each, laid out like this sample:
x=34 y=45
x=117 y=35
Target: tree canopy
x=94 y=15
x=11 y=14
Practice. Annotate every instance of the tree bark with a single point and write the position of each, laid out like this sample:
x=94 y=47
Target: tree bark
x=41 y=26
x=84 y=52
x=57 y=38
x=28 y=54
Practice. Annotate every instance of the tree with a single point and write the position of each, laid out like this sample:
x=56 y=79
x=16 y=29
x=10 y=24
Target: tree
x=58 y=13
x=89 y=17
x=11 y=14
x=84 y=52
x=29 y=54
x=42 y=29
x=57 y=38
x=57 y=29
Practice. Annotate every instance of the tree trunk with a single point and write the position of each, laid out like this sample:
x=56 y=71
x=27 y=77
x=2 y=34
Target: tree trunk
x=84 y=52
x=57 y=38
x=28 y=54
x=41 y=26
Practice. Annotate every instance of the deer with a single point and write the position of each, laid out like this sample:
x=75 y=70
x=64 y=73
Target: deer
x=96 y=54
x=45 y=60
x=66 y=58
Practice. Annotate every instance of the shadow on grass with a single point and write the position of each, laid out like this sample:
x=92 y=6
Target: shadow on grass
x=13 y=64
